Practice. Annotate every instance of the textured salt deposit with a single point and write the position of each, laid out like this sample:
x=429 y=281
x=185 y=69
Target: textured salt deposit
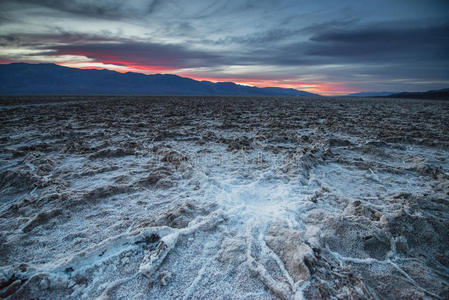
x=242 y=198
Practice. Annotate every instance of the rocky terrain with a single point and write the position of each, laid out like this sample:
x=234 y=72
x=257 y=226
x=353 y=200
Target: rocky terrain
x=223 y=197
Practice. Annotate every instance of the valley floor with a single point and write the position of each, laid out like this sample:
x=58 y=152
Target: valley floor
x=223 y=197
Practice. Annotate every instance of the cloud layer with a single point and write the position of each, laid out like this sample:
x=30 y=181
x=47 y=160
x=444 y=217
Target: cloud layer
x=325 y=46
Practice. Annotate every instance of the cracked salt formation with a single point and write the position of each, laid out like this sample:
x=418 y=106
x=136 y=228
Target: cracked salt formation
x=223 y=197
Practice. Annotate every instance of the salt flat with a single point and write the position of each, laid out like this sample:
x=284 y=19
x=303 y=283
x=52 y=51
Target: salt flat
x=224 y=197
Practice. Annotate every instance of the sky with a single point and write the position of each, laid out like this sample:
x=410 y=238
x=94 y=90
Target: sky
x=328 y=47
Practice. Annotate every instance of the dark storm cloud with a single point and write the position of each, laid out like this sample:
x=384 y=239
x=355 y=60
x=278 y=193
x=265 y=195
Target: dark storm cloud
x=98 y=8
x=261 y=38
x=123 y=52
x=365 y=45
x=383 y=43
x=317 y=27
x=46 y=41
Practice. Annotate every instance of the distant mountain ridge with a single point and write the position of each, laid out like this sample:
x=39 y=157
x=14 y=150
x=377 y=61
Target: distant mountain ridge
x=52 y=79
x=369 y=94
x=442 y=94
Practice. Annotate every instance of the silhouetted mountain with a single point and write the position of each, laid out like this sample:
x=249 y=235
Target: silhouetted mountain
x=51 y=79
x=368 y=94
x=442 y=94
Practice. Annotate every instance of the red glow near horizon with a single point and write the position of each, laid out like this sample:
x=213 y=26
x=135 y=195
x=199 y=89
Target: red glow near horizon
x=147 y=69
x=322 y=88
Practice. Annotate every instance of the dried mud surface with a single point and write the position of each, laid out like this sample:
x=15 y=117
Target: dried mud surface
x=223 y=197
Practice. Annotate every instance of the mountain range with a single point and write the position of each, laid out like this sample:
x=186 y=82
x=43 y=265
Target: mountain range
x=52 y=79
x=369 y=94
x=442 y=94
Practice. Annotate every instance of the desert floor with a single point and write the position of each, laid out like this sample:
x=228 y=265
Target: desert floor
x=223 y=197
